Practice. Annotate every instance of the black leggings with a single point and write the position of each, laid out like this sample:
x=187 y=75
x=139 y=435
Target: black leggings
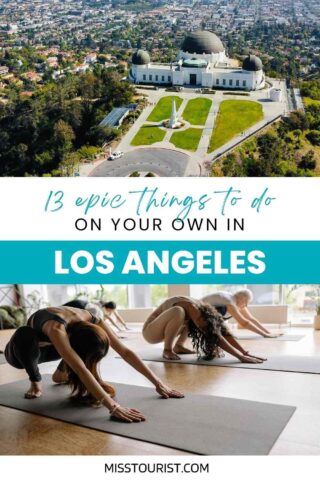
x=23 y=351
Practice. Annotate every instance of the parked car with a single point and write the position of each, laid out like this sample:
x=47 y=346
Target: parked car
x=115 y=156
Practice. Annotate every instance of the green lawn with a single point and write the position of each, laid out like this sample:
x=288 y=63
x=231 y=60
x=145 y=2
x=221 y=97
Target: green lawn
x=196 y=111
x=147 y=135
x=234 y=117
x=162 y=110
x=187 y=139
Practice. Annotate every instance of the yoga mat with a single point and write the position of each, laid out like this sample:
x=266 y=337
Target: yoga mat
x=2 y=359
x=283 y=363
x=283 y=338
x=198 y=424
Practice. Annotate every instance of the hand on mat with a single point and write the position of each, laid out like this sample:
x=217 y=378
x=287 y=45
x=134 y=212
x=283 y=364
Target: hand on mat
x=249 y=359
x=272 y=335
x=167 y=392
x=34 y=391
x=258 y=358
x=128 y=415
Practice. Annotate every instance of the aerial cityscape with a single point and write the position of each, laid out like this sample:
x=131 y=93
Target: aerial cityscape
x=157 y=88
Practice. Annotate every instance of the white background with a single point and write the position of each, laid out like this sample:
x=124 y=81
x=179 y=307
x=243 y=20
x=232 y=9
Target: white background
x=221 y=468
x=292 y=216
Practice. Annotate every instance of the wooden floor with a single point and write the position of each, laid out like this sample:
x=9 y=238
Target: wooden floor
x=23 y=433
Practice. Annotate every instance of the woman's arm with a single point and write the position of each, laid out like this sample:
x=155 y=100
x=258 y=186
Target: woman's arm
x=108 y=317
x=245 y=322
x=132 y=359
x=240 y=355
x=120 y=319
x=246 y=314
x=232 y=341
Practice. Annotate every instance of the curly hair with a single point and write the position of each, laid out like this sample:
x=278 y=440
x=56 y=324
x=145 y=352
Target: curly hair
x=206 y=341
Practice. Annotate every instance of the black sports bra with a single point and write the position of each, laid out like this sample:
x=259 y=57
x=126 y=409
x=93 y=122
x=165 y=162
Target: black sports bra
x=39 y=318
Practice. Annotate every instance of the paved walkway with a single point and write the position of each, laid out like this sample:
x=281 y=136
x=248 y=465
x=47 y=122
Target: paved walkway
x=125 y=143
x=207 y=130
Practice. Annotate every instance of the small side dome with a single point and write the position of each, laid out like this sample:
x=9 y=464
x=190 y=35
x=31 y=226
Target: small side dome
x=140 y=57
x=252 y=63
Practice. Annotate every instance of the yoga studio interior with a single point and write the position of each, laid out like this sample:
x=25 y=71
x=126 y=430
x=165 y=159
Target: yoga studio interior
x=240 y=365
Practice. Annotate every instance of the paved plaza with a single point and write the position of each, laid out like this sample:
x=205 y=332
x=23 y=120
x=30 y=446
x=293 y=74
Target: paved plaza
x=163 y=158
x=160 y=161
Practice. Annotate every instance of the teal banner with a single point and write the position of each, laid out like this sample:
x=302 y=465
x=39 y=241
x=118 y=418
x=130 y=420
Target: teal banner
x=118 y=262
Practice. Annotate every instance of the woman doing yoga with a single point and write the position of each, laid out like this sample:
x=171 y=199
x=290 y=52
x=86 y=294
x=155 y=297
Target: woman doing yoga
x=81 y=340
x=235 y=306
x=178 y=318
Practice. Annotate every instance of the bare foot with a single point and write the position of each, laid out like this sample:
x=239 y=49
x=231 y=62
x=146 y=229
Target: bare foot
x=34 y=391
x=182 y=350
x=170 y=355
x=59 y=377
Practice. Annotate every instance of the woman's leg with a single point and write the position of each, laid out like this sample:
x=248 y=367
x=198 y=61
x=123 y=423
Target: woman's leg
x=49 y=354
x=23 y=352
x=166 y=327
x=179 y=346
x=60 y=375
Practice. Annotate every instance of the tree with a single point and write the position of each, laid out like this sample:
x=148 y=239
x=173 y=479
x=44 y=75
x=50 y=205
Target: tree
x=231 y=166
x=314 y=137
x=69 y=163
x=308 y=162
x=63 y=136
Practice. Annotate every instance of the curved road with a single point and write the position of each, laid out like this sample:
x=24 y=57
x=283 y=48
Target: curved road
x=161 y=161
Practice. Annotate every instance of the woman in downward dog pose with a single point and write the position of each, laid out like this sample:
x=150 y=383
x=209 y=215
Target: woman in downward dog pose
x=111 y=313
x=236 y=305
x=178 y=318
x=81 y=340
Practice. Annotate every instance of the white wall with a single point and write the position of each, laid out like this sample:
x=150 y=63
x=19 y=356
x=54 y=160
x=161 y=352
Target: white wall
x=268 y=314
x=272 y=314
x=205 y=78
x=139 y=71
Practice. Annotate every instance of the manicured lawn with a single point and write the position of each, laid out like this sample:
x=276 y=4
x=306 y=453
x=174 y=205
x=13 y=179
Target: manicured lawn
x=187 y=139
x=147 y=135
x=162 y=110
x=196 y=111
x=234 y=117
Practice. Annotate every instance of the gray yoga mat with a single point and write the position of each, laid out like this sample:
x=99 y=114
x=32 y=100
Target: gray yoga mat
x=198 y=424
x=283 y=338
x=281 y=363
x=2 y=359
